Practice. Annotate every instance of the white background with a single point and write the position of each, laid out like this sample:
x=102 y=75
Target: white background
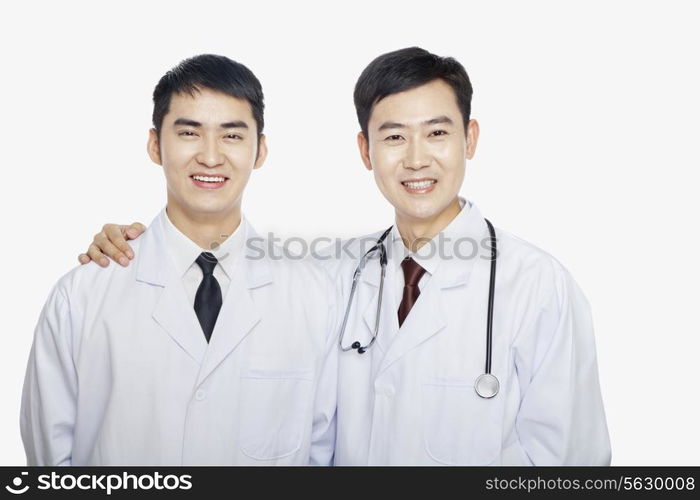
x=590 y=119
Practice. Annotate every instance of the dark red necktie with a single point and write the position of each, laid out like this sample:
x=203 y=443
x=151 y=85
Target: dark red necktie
x=412 y=273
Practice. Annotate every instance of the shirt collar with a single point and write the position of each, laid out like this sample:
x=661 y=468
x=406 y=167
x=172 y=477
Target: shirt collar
x=184 y=251
x=430 y=254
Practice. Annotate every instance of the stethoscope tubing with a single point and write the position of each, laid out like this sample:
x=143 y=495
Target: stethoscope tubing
x=492 y=286
x=487 y=385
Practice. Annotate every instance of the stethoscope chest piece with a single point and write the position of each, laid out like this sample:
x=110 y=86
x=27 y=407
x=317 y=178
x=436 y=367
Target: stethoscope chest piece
x=486 y=386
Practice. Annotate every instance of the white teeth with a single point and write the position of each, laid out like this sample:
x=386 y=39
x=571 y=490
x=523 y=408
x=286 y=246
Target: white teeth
x=418 y=185
x=204 y=178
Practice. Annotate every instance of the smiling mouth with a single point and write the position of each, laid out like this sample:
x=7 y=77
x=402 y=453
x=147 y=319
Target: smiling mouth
x=419 y=184
x=207 y=178
x=208 y=181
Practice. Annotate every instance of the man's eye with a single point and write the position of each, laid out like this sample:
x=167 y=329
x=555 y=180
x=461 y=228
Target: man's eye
x=186 y=133
x=234 y=136
x=438 y=132
x=394 y=138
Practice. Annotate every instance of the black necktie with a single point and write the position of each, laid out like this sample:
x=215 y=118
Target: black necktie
x=207 y=302
x=412 y=273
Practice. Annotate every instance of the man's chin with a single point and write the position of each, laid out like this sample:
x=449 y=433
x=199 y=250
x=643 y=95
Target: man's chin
x=212 y=211
x=425 y=212
x=418 y=210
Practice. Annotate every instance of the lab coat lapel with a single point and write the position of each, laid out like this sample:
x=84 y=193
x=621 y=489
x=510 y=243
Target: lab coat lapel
x=239 y=314
x=172 y=310
x=388 y=321
x=427 y=318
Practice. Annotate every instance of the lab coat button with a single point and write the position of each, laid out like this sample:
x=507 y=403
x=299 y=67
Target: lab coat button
x=200 y=395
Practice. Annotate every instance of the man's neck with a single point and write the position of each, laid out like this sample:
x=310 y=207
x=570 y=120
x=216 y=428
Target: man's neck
x=207 y=231
x=417 y=232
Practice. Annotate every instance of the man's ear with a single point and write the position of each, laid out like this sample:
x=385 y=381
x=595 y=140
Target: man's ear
x=363 y=144
x=262 y=152
x=472 y=138
x=153 y=146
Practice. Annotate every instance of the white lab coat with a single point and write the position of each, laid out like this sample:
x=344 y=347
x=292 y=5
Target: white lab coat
x=120 y=372
x=410 y=398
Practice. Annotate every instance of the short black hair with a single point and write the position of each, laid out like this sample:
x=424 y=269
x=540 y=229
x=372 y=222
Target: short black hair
x=211 y=72
x=406 y=69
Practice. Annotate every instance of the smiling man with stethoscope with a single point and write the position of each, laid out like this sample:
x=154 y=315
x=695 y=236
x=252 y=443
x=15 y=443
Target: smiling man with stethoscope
x=451 y=356
x=444 y=382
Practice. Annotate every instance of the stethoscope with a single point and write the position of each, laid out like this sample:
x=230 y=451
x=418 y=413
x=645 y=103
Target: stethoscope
x=486 y=384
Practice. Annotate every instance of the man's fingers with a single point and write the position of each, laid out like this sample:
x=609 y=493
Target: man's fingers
x=114 y=235
x=111 y=243
x=97 y=256
x=105 y=245
x=135 y=230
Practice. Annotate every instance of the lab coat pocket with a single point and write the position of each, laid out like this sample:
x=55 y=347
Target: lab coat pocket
x=459 y=427
x=274 y=406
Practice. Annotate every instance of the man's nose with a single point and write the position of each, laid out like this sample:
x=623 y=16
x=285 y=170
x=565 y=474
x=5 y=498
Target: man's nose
x=417 y=155
x=210 y=154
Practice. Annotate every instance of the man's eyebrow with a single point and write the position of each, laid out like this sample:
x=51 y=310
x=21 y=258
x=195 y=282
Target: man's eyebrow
x=439 y=119
x=388 y=125
x=187 y=122
x=433 y=121
x=193 y=123
x=235 y=124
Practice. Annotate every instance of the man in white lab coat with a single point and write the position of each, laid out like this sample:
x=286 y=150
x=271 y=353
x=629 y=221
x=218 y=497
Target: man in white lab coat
x=204 y=351
x=410 y=397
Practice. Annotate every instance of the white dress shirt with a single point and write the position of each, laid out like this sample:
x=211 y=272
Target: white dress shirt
x=184 y=252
